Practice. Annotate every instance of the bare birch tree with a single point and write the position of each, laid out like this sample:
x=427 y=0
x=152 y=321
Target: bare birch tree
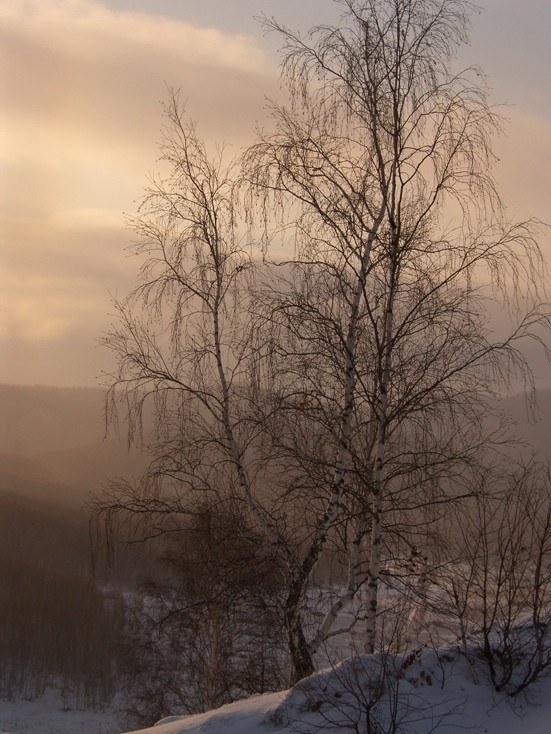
x=381 y=165
x=188 y=348
x=183 y=340
x=340 y=395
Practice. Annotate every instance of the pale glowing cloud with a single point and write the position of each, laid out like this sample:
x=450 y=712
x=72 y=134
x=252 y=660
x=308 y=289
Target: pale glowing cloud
x=81 y=87
x=524 y=169
x=83 y=29
x=21 y=320
x=81 y=91
x=83 y=83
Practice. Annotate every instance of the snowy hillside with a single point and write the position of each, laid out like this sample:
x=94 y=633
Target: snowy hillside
x=50 y=714
x=433 y=691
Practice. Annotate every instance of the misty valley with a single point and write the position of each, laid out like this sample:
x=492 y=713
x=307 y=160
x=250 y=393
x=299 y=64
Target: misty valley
x=166 y=626
x=313 y=493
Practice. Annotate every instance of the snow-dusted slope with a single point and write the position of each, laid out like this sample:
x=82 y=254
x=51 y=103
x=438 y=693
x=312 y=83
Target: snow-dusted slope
x=51 y=715
x=433 y=691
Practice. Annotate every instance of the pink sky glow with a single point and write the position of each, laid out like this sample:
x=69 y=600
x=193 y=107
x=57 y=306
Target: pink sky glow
x=81 y=85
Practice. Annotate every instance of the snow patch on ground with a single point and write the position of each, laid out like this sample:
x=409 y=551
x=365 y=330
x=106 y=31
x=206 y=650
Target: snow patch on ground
x=427 y=691
x=49 y=715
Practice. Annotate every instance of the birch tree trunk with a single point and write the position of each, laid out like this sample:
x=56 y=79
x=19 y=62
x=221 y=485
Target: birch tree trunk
x=302 y=652
x=381 y=414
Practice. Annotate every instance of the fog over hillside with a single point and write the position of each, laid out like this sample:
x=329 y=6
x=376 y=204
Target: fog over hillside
x=37 y=419
x=64 y=432
x=54 y=443
x=54 y=455
x=60 y=625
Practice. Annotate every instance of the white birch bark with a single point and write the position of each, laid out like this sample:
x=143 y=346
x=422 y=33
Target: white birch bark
x=341 y=463
x=379 y=469
x=325 y=629
x=342 y=458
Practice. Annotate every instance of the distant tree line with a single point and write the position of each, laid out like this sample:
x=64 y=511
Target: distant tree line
x=60 y=627
x=208 y=629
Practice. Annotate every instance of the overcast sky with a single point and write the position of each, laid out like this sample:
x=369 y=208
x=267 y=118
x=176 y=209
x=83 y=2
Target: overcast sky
x=81 y=82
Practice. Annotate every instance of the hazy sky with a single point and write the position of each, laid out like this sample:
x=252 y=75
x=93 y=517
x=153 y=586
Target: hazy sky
x=81 y=82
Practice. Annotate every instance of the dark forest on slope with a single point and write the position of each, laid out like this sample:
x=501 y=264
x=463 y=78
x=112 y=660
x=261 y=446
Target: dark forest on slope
x=63 y=625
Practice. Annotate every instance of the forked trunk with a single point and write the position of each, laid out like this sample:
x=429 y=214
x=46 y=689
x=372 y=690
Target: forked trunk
x=301 y=660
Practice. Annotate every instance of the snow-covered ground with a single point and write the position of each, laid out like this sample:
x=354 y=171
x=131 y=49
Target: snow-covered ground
x=48 y=715
x=430 y=691
x=436 y=691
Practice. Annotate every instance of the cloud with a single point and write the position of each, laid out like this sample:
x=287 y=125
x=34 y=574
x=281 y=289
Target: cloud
x=80 y=122
x=83 y=81
x=523 y=170
x=83 y=28
x=81 y=89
